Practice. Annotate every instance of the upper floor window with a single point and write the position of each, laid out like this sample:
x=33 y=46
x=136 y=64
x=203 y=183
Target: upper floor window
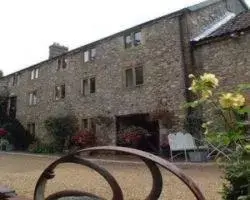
x=132 y=39
x=88 y=86
x=34 y=73
x=128 y=41
x=92 y=85
x=33 y=98
x=137 y=38
x=92 y=53
x=61 y=63
x=60 y=92
x=89 y=54
x=134 y=76
x=16 y=79
x=86 y=56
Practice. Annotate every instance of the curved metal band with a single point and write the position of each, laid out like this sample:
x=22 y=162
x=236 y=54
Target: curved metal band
x=160 y=161
x=73 y=158
x=149 y=159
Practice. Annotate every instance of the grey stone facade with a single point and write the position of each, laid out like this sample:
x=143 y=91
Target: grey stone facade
x=229 y=59
x=163 y=55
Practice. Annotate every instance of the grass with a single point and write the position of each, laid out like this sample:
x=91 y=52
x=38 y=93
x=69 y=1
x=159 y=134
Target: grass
x=22 y=171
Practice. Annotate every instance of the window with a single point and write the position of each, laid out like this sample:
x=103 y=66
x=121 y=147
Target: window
x=60 y=92
x=34 y=73
x=133 y=39
x=129 y=77
x=86 y=56
x=33 y=98
x=84 y=124
x=92 y=54
x=89 y=55
x=31 y=128
x=61 y=63
x=84 y=86
x=128 y=41
x=138 y=75
x=92 y=126
x=88 y=86
x=58 y=64
x=137 y=38
x=15 y=79
x=92 y=85
x=89 y=124
x=134 y=76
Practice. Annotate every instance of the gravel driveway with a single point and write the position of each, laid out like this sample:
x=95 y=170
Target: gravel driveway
x=22 y=171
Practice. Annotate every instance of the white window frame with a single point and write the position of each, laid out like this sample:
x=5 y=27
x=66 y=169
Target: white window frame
x=36 y=72
x=92 y=54
x=33 y=98
x=32 y=75
x=86 y=56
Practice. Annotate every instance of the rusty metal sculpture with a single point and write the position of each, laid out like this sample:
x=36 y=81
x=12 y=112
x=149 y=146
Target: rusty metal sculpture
x=150 y=160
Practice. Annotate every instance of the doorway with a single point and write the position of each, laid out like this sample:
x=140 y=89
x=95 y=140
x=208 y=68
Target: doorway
x=150 y=140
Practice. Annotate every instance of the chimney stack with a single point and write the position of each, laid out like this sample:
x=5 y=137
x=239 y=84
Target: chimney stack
x=56 y=49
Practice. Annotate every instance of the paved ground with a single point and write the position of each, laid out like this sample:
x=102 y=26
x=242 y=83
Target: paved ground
x=22 y=171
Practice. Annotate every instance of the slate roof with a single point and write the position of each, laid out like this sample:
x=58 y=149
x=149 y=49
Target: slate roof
x=239 y=22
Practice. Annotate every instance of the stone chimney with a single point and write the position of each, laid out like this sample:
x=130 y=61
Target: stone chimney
x=56 y=49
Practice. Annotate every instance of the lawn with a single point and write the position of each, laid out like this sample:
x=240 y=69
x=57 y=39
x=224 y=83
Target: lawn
x=22 y=171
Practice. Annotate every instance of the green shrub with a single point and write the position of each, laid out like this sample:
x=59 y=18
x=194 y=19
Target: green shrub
x=17 y=135
x=237 y=175
x=61 y=128
x=37 y=147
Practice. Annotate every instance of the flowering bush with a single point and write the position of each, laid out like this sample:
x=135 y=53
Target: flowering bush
x=3 y=132
x=228 y=129
x=83 y=139
x=131 y=136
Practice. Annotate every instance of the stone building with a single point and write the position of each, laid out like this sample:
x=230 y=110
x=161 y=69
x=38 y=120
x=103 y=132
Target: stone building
x=135 y=74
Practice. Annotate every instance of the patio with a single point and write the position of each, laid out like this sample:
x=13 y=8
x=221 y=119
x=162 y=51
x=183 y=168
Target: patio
x=22 y=171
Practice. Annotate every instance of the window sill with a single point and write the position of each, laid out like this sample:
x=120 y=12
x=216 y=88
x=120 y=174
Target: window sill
x=59 y=100
x=33 y=105
x=133 y=46
x=134 y=87
x=88 y=95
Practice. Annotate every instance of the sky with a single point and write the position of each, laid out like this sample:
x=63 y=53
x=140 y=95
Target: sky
x=28 y=27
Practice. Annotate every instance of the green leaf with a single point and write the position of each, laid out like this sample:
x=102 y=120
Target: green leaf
x=244 y=110
x=245 y=86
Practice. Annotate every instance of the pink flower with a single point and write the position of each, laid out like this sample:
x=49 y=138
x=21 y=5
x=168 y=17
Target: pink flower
x=3 y=132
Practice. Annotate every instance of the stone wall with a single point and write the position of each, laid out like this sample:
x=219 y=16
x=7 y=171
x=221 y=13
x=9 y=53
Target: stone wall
x=229 y=59
x=159 y=54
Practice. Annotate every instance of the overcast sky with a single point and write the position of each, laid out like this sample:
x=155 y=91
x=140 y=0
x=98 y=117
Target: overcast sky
x=28 y=27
